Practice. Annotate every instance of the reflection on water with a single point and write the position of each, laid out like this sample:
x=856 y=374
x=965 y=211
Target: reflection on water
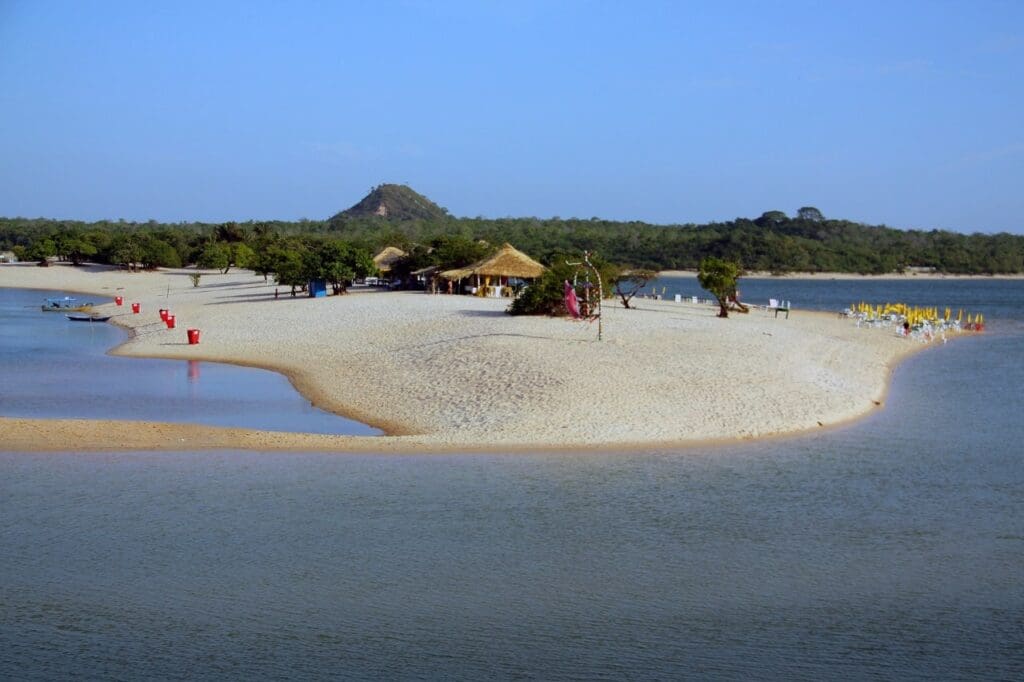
x=60 y=369
x=889 y=549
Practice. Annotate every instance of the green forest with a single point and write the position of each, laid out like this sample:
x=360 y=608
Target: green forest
x=394 y=215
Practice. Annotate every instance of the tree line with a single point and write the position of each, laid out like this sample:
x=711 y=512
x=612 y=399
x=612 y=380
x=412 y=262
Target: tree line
x=774 y=242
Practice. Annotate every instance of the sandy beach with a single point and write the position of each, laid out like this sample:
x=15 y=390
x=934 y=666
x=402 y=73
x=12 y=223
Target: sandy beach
x=455 y=373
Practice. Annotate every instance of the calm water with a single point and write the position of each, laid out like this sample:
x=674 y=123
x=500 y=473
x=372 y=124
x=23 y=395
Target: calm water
x=53 y=368
x=999 y=300
x=891 y=549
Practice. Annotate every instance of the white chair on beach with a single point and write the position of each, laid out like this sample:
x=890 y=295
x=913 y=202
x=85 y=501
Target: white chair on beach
x=783 y=307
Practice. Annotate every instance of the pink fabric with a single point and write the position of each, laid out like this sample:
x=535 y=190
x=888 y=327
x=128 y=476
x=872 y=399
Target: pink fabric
x=571 y=304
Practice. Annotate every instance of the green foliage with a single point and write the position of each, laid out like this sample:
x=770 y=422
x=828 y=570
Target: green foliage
x=195 y=276
x=296 y=261
x=230 y=232
x=41 y=250
x=809 y=213
x=216 y=256
x=719 y=277
x=158 y=254
x=772 y=242
x=546 y=296
x=289 y=266
x=241 y=255
x=72 y=245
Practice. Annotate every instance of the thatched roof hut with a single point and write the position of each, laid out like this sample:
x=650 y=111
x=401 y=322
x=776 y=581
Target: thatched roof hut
x=507 y=262
x=387 y=257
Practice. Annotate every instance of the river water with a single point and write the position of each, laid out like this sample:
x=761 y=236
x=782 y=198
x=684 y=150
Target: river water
x=55 y=368
x=888 y=549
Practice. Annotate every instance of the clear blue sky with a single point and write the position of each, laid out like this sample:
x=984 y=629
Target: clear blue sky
x=909 y=114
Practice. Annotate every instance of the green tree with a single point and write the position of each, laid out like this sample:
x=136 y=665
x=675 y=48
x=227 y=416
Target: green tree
x=78 y=249
x=454 y=251
x=810 y=214
x=155 y=253
x=289 y=267
x=215 y=256
x=230 y=232
x=125 y=250
x=337 y=262
x=41 y=250
x=719 y=277
x=771 y=219
x=545 y=296
x=241 y=255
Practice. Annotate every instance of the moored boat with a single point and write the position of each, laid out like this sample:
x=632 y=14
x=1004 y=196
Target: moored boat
x=95 y=317
x=65 y=305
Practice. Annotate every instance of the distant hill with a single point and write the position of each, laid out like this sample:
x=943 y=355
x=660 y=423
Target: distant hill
x=395 y=203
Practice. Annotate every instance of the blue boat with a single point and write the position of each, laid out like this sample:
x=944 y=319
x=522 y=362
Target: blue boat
x=67 y=304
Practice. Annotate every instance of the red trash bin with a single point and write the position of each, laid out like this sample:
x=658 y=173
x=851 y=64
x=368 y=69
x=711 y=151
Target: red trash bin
x=136 y=308
x=119 y=300
x=193 y=337
x=163 y=314
x=170 y=321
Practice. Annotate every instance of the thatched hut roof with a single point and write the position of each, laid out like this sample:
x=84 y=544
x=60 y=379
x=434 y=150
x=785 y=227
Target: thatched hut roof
x=507 y=262
x=387 y=257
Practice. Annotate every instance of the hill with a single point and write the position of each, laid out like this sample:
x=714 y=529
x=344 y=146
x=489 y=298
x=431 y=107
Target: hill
x=395 y=203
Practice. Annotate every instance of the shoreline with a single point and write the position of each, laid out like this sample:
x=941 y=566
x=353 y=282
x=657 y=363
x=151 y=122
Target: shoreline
x=456 y=374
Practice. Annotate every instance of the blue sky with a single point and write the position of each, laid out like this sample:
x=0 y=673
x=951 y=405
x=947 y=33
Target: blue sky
x=909 y=114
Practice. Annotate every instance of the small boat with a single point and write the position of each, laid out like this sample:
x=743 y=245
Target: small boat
x=66 y=304
x=95 y=317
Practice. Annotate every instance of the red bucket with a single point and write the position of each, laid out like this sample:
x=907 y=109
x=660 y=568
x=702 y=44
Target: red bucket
x=163 y=314
x=193 y=337
x=119 y=300
x=170 y=321
x=136 y=308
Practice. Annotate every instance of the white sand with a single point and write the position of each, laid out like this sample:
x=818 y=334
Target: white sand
x=457 y=373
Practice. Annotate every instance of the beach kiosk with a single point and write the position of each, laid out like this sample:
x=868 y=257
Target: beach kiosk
x=493 y=275
x=386 y=259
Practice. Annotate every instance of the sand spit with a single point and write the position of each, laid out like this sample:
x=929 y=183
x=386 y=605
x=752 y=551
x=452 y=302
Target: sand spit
x=446 y=373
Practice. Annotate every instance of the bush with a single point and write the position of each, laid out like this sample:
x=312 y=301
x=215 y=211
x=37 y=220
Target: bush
x=546 y=296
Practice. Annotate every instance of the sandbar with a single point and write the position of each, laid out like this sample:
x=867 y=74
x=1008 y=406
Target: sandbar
x=440 y=373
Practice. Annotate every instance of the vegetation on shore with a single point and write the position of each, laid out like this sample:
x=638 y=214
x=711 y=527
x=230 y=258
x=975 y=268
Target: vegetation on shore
x=396 y=215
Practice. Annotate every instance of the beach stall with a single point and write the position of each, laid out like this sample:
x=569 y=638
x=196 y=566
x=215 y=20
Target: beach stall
x=494 y=275
x=426 y=278
x=386 y=259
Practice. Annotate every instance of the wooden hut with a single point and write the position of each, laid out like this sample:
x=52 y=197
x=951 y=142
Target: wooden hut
x=492 y=275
